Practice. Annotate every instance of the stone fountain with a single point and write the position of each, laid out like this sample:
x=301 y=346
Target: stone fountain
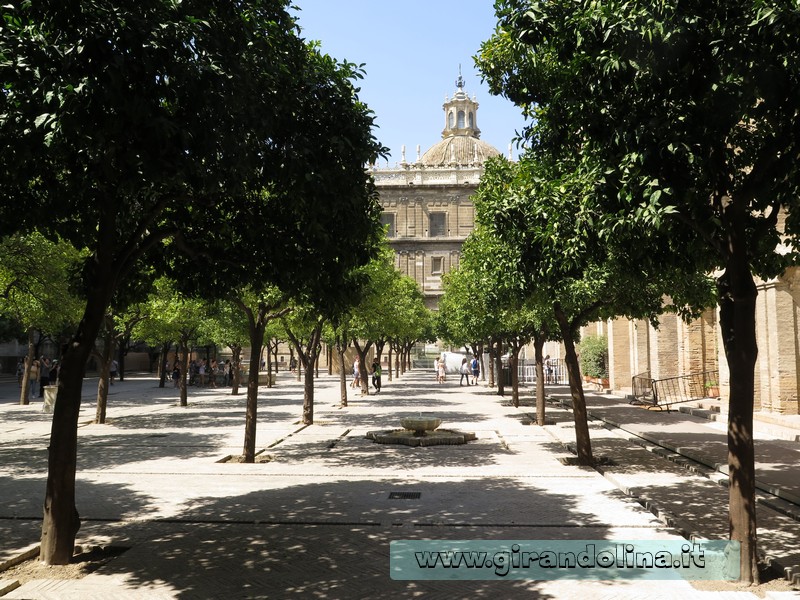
x=422 y=430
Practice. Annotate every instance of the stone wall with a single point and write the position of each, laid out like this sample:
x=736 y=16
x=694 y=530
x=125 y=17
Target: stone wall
x=424 y=254
x=678 y=348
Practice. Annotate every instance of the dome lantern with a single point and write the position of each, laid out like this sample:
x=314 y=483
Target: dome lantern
x=461 y=144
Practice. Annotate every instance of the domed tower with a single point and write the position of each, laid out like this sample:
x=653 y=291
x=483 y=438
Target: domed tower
x=428 y=210
x=461 y=143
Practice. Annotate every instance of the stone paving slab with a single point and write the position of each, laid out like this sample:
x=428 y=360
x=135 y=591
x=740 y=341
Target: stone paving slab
x=663 y=485
x=315 y=521
x=704 y=441
x=305 y=561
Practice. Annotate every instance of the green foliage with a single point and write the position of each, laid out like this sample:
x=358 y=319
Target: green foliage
x=173 y=316
x=38 y=286
x=217 y=152
x=225 y=325
x=204 y=135
x=690 y=111
x=689 y=115
x=594 y=356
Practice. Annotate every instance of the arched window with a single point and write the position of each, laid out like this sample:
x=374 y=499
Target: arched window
x=471 y=121
x=450 y=120
x=461 y=119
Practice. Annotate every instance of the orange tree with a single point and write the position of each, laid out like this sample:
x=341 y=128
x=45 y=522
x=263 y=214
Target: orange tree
x=157 y=130
x=691 y=111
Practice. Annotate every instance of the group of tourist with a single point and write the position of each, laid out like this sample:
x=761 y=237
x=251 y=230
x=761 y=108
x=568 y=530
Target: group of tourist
x=469 y=370
x=43 y=372
x=205 y=373
x=375 y=371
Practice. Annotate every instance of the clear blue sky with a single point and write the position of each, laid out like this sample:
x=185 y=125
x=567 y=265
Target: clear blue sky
x=411 y=51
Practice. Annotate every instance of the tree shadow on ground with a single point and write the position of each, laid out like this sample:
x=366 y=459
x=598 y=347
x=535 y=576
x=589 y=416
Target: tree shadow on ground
x=695 y=504
x=23 y=498
x=331 y=539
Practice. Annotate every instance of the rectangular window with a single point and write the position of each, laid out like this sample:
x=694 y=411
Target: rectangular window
x=437 y=224
x=387 y=220
x=437 y=265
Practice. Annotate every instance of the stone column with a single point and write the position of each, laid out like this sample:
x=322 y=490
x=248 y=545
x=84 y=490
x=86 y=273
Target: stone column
x=664 y=348
x=778 y=337
x=619 y=355
x=640 y=346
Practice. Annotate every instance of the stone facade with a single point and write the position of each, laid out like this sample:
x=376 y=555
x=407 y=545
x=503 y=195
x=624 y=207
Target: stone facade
x=678 y=348
x=427 y=206
x=427 y=224
x=428 y=211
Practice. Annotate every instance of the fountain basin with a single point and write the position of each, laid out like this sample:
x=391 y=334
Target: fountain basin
x=419 y=425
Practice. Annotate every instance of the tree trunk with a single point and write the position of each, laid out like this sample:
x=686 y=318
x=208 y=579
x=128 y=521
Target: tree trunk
x=269 y=364
x=342 y=375
x=582 y=440
x=61 y=521
x=184 y=400
x=498 y=362
x=236 y=374
x=102 y=394
x=512 y=365
x=362 y=365
x=256 y=344
x=308 y=398
x=737 y=301
x=538 y=345
x=162 y=366
x=25 y=390
x=308 y=358
x=379 y=344
x=491 y=363
x=389 y=364
x=103 y=382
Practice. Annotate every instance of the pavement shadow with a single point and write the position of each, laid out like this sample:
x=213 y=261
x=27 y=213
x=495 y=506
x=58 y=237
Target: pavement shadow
x=23 y=499
x=331 y=539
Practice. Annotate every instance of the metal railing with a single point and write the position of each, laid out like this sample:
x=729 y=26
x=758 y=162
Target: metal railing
x=642 y=389
x=526 y=372
x=667 y=391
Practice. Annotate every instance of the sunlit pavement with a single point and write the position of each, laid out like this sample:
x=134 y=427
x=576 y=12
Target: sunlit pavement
x=316 y=518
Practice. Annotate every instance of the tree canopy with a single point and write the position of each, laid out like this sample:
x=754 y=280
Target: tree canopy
x=163 y=130
x=690 y=112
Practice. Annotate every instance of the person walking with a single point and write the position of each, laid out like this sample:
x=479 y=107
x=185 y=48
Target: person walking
x=356 y=373
x=33 y=380
x=464 y=370
x=176 y=374
x=476 y=369
x=376 y=375
x=201 y=372
x=44 y=375
x=114 y=369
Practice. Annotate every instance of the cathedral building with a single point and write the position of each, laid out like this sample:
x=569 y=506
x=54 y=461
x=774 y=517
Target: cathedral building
x=426 y=203
x=428 y=212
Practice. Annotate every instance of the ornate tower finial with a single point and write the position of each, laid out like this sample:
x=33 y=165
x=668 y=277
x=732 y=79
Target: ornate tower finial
x=460 y=80
x=460 y=113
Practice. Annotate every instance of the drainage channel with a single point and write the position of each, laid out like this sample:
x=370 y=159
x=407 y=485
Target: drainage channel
x=332 y=444
x=774 y=498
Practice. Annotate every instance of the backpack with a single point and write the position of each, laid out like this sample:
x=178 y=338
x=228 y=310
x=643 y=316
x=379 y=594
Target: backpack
x=474 y=363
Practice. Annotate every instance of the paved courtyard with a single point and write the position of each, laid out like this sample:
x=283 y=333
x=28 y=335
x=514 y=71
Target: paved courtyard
x=316 y=518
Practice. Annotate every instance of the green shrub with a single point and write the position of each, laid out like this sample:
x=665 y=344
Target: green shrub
x=594 y=356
